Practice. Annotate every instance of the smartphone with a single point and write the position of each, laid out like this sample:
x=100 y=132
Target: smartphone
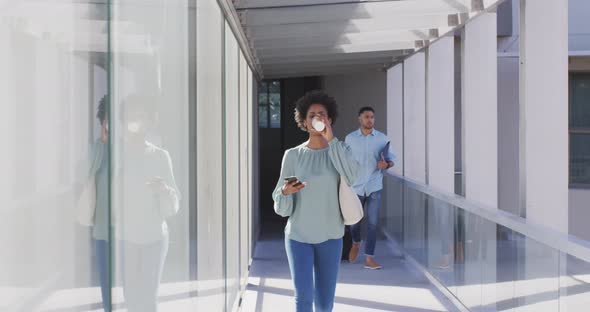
x=292 y=179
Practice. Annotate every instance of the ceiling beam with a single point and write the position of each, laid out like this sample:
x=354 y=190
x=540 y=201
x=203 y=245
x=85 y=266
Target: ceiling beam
x=345 y=12
x=328 y=40
x=345 y=27
x=377 y=61
x=335 y=57
x=340 y=49
x=266 y=4
x=319 y=72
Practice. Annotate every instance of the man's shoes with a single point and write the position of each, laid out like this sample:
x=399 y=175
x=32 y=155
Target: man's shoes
x=371 y=264
x=354 y=252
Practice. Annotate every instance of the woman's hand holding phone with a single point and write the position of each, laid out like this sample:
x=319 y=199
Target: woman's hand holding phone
x=292 y=185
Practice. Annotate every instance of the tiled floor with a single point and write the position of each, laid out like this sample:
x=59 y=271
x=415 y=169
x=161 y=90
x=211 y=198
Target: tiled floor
x=395 y=288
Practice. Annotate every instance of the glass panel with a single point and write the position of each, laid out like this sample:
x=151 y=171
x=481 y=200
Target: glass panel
x=486 y=266
x=274 y=87
x=469 y=273
x=263 y=105
x=275 y=108
x=263 y=89
x=232 y=183
x=574 y=284
x=414 y=224
x=243 y=155
x=275 y=116
x=580 y=101
x=54 y=250
x=510 y=246
x=538 y=289
x=263 y=116
x=100 y=192
x=441 y=243
x=580 y=159
x=151 y=154
x=210 y=162
x=392 y=218
x=263 y=99
x=251 y=189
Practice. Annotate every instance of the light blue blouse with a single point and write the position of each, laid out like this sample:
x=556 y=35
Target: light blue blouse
x=314 y=212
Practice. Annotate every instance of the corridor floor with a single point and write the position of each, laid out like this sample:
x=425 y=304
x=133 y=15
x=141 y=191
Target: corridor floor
x=397 y=287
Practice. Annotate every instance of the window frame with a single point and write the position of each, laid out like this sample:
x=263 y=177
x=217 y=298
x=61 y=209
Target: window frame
x=268 y=122
x=574 y=130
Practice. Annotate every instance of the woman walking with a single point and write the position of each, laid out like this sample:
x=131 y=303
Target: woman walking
x=307 y=193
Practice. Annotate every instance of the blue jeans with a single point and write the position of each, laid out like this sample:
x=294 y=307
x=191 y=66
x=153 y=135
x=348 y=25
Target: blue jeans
x=102 y=256
x=142 y=271
x=314 y=269
x=371 y=206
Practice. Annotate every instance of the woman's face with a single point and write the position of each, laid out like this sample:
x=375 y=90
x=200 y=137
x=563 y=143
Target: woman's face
x=136 y=123
x=316 y=111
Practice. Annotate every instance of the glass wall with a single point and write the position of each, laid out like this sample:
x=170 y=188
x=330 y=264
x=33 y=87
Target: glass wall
x=128 y=134
x=507 y=271
x=53 y=80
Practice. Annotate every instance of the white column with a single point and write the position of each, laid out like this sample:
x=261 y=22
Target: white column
x=544 y=138
x=415 y=149
x=440 y=147
x=393 y=196
x=415 y=117
x=395 y=114
x=440 y=115
x=544 y=108
x=480 y=110
x=480 y=157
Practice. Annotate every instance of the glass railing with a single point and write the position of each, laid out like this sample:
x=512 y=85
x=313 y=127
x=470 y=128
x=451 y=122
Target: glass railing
x=489 y=260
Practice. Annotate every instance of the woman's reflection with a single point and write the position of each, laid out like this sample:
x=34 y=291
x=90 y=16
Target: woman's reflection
x=148 y=195
x=100 y=173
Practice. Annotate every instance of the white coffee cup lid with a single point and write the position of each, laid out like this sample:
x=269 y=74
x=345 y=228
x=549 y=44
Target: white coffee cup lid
x=318 y=125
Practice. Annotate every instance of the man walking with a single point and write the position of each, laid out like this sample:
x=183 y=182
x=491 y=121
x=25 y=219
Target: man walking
x=371 y=149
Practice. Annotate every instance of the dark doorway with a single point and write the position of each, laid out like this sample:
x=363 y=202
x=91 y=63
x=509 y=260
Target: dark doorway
x=278 y=132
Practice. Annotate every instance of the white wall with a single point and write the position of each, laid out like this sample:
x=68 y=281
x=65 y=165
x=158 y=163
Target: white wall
x=415 y=117
x=579 y=214
x=395 y=116
x=440 y=110
x=544 y=100
x=353 y=91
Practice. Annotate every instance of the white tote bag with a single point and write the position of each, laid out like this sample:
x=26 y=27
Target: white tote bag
x=350 y=204
x=87 y=203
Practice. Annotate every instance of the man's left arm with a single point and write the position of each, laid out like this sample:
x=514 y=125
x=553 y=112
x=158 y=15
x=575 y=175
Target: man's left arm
x=391 y=159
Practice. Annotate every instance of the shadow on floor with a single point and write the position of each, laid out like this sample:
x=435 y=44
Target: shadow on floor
x=395 y=288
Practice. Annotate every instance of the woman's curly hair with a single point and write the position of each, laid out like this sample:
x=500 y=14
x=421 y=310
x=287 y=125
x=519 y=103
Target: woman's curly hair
x=314 y=97
x=103 y=109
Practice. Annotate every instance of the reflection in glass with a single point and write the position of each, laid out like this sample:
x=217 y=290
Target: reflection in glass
x=488 y=267
x=93 y=202
x=51 y=81
x=574 y=284
x=148 y=196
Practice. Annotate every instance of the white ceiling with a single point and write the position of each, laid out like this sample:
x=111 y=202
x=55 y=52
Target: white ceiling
x=315 y=37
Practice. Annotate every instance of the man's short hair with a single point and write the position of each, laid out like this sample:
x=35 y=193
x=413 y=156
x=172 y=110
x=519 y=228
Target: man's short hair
x=366 y=109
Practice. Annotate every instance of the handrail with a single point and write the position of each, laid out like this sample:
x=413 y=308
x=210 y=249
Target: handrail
x=565 y=243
